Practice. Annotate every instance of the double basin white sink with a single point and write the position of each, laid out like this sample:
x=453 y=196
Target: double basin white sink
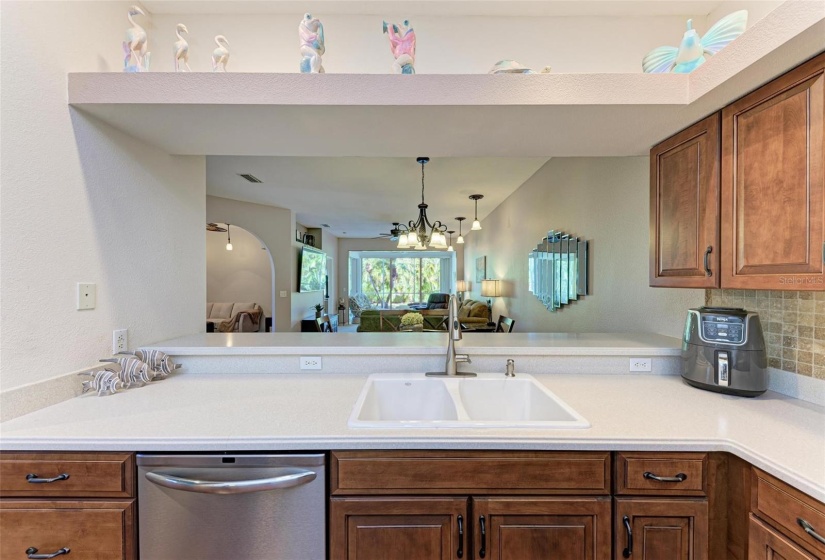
x=486 y=401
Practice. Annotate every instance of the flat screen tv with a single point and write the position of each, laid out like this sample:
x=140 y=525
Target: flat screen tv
x=313 y=270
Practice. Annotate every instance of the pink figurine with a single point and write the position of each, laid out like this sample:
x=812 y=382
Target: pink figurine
x=402 y=46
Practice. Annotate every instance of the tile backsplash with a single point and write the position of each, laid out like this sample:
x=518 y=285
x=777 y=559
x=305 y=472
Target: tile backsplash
x=793 y=322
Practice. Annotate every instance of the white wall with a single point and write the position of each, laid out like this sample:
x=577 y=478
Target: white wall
x=602 y=200
x=82 y=202
x=243 y=274
x=275 y=227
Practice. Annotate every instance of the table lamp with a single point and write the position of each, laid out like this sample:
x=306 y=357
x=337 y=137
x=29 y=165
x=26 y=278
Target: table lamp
x=490 y=289
x=460 y=288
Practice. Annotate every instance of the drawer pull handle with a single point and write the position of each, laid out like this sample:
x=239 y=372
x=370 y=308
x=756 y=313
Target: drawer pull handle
x=31 y=552
x=681 y=477
x=34 y=479
x=808 y=528
x=460 y=551
x=483 y=551
x=628 y=551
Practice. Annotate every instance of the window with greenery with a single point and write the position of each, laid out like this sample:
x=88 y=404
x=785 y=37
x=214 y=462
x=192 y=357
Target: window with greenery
x=390 y=282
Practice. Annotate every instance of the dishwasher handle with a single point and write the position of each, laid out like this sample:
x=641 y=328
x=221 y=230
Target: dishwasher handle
x=295 y=478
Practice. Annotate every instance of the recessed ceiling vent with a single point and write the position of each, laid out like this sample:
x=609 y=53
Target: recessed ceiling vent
x=325 y=225
x=249 y=177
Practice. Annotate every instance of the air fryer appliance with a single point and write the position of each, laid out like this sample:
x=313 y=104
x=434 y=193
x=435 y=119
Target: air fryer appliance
x=723 y=350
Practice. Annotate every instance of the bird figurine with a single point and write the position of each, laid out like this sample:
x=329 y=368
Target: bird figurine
x=513 y=67
x=181 y=49
x=692 y=51
x=136 y=44
x=220 y=56
x=311 y=39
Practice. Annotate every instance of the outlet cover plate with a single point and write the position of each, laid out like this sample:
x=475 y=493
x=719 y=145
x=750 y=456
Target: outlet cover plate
x=311 y=362
x=120 y=341
x=641 y=364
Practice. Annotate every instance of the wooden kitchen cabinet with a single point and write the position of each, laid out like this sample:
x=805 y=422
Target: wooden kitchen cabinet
x=661 y=529
x=515 y=528
x=684 y=208
x=83 y=502
x=745 y=209
x=397 y=528
x=765 y=543
x=773 y=184
x=430 y=504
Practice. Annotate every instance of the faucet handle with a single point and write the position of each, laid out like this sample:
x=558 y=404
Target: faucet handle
x=511 y=366
x=463 y=358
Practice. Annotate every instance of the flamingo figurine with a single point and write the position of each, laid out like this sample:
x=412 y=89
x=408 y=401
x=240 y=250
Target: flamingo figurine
x=136 y=43
x=181 y=49
x=220 y=56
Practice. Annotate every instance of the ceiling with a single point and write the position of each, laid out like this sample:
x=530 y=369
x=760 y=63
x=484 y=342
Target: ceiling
x=521 y=8
x=360 y=196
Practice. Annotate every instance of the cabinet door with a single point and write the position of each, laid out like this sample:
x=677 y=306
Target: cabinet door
x=773 y=184
x=558 y=528
x=661 y=529
x=684 y=208
x=398 y=528
x=764 y=543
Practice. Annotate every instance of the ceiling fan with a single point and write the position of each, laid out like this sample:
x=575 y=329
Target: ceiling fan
x=214 y=227
x=393 y=233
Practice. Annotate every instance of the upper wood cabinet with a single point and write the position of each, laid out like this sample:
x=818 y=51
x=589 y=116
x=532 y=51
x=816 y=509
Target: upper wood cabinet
x=684 y=208
x=746 y=211
x=773 y=184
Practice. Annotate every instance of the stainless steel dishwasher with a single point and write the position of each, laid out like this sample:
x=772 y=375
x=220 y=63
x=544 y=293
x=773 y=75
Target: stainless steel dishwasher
x=232 y=507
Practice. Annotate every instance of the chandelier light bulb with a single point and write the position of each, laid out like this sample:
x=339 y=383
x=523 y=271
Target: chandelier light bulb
x=476 y=225
x=403 y=242
x=460 y=240
x=412 y=239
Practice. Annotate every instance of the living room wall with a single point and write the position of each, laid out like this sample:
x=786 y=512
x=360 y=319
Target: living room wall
x=243 y=274
x=602 y=200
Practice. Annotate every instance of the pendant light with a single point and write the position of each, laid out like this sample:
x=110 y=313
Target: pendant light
x=228 y=239
x=460 y=239
x=450 y=248
x=476 y=223
x=421 y=233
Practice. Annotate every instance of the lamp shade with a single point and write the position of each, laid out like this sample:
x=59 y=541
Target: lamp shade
x=461 y=286
x=491 y=288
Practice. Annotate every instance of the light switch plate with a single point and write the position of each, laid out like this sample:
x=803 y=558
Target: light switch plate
x=283 y=293
x=86 y=295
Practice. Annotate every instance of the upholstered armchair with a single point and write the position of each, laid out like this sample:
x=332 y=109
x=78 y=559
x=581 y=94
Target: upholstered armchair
x=357 y=304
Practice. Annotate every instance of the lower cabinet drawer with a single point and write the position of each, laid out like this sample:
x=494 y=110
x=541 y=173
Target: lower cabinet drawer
x=765 y=542
x=67 y=475
x=789 y=510
x=661 y=474
x=89 y=530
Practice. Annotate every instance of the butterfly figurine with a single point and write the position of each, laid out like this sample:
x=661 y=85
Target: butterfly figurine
x=692 y=51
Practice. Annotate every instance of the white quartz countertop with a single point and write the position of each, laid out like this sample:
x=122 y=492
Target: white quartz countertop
x=430 y=343
x=209 y=412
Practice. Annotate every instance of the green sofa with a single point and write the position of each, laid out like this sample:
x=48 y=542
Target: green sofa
x=389 y=320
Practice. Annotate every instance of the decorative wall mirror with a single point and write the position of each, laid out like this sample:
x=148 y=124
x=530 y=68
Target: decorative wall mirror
x=558 y=269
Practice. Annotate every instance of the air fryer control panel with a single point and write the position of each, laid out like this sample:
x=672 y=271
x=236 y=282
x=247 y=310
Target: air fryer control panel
x=725 y=329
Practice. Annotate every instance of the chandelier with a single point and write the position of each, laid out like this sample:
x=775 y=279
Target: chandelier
x=420 y=234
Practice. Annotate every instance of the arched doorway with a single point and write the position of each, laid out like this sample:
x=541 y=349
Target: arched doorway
x=246 y=273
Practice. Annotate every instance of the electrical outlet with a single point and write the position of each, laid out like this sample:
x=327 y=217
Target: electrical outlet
x=312 y=362
x=120 y=341
x=283 y=293
x=640 y=364
x=86 y=296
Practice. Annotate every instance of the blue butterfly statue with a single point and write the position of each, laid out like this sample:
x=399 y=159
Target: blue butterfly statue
x=692 y=51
